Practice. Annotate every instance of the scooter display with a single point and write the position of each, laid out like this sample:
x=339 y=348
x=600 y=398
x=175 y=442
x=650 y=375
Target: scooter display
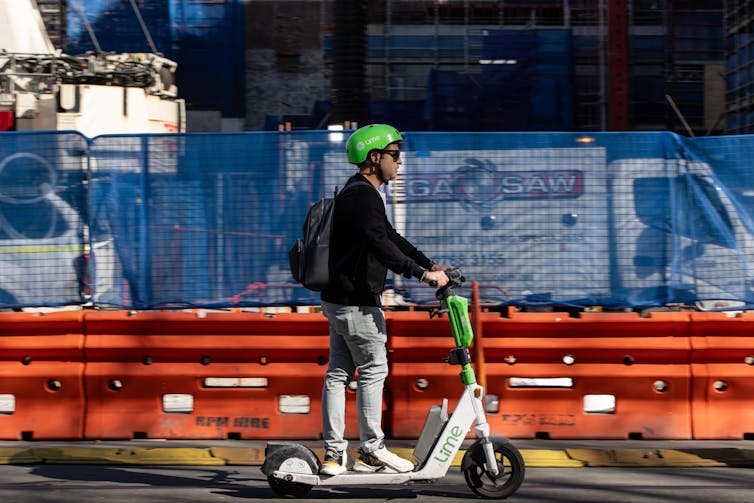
x=492 y=466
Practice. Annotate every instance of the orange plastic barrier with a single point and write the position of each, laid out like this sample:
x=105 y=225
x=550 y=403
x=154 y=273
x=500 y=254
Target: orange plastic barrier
x=181 y=375
x=603 y=375
x=41 y=372
x=418 y=378
x=722 y=368
x=616 y=375
x=210 y=375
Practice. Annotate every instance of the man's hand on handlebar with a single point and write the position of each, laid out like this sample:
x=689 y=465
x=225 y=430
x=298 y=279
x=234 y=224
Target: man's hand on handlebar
x=436 y=278
x=438 y=267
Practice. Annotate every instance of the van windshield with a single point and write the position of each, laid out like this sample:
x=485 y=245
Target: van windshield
x=689 y=205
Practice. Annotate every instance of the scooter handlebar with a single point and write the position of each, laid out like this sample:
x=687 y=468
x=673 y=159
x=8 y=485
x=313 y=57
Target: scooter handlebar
x=453 y=274
x=455 y=278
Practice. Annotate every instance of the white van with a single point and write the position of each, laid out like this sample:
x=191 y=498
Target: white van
x=42 y=253
x=678 y=235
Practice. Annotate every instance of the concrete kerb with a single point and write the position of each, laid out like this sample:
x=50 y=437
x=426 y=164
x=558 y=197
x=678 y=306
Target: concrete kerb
x=254 y=456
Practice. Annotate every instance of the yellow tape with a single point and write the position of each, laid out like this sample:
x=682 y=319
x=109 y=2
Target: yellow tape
x=42 y=249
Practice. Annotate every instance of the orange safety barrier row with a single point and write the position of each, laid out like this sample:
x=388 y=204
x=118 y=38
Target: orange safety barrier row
x=602 y=375
x=222 y=375
x=41 y=369
x=722 y=372
x=618 y=376
x=214 y=375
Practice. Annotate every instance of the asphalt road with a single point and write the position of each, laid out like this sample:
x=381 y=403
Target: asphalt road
x=43 y=483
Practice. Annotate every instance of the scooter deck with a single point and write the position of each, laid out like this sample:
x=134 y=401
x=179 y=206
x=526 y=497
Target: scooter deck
x=353 y=478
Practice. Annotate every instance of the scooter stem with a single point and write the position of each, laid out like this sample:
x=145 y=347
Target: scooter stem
x=458 y=312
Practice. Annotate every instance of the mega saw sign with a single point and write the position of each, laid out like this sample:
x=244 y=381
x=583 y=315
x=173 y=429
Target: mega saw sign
x=532 y=222
x=484 y=185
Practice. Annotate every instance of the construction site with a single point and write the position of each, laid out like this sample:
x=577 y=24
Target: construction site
x=503 y=65
x=571 y=156
x=513 y=65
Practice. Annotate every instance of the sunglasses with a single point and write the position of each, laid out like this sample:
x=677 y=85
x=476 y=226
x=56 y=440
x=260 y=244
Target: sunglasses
x=395 y=154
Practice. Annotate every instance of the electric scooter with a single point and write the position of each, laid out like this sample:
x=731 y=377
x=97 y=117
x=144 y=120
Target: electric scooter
x=492 y=466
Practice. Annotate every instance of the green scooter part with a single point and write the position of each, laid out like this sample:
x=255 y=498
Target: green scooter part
x=458 y=313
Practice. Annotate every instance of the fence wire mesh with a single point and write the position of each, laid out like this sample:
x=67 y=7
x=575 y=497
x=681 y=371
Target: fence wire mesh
x=205 y=220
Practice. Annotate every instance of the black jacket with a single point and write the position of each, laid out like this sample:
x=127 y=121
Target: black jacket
x=363 y=246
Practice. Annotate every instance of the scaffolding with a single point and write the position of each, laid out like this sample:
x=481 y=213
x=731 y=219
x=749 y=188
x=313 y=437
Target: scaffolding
x=739 y=20
x=673 y=50
x=54 y=17
x=694 y=65
x=410 y=40
x=413 y=44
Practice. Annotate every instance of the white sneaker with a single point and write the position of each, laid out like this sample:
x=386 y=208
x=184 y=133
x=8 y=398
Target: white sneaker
x=334 y=463
x=382 y=459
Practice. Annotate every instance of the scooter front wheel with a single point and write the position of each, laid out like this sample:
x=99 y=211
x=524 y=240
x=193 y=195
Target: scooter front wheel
x=510 y=467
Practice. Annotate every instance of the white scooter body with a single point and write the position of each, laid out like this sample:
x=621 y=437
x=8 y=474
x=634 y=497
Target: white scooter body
x=292 y=469
x=468 y=411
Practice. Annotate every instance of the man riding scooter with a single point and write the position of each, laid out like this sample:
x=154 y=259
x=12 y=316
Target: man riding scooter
x=363 y=246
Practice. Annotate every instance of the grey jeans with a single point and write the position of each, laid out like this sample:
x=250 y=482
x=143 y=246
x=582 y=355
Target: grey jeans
x=357 y=341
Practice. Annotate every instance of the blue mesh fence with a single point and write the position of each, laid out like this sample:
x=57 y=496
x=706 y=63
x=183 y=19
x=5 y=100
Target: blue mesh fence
x=42 y=215
x=194 y=219
x=610 y=219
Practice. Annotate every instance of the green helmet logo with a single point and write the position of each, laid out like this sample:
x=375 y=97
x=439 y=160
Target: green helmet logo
x=368 y=138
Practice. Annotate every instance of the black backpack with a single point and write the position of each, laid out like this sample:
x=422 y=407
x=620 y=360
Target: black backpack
x=309 y=255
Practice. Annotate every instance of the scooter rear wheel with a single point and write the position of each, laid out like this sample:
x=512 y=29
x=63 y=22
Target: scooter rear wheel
x=293 y=458
x=510 y=466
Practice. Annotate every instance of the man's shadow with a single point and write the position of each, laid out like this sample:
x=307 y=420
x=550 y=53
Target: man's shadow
x=226 y=481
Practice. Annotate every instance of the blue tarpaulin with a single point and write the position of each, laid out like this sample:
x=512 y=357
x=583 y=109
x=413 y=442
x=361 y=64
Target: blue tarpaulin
x=205 y=220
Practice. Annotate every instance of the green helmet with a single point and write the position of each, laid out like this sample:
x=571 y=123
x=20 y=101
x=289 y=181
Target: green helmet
x=368 y=138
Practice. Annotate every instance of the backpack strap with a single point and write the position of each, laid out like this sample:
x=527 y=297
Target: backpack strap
x=351 y=185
